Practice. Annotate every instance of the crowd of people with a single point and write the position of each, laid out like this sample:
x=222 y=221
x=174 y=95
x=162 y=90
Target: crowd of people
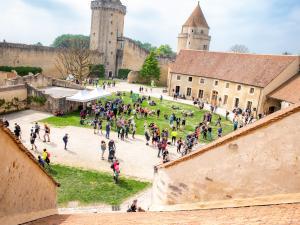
x=117 y=115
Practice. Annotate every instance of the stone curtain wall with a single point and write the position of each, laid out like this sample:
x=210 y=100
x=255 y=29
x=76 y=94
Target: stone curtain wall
x=35 y=56
x=26 y=192
x=263 y=162
x=134 y=57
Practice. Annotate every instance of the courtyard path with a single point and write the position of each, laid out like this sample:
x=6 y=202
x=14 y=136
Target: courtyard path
x=136 y=159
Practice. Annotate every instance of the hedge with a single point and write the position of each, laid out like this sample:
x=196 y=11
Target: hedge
x=123 y=73
x=21 y=70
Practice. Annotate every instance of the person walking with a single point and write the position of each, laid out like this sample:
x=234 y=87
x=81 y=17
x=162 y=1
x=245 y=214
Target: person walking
x=65 y=140
x=103 y=148
x=220 y=131
x=107 y=129
x=112 y=150
x=46 y=157
x=32 y=140
x=37 y=129
x=47 y=133
x=133 y=131
x=179 y=145
x=17 y=131
x=174 y=136
x=116 y=170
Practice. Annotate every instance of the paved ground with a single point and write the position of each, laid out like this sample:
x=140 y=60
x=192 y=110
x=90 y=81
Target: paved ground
x=136 y=159
x=286 y=214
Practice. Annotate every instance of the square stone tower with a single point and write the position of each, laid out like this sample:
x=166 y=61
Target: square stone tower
x=195 y=32
x=107 y=32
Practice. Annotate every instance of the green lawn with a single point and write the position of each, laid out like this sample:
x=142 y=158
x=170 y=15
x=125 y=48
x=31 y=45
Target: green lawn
x=166 y=108
x=90 y=187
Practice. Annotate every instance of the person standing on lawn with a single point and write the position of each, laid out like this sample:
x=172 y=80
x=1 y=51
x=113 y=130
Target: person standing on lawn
x=65 y=140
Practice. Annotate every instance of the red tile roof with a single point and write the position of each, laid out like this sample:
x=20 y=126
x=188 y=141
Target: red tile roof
x=197 y=19
x=289 y=91
x=250 y=69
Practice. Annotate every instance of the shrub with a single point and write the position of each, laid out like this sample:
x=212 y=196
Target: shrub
x=123 y=73
x=41 y=100
x=2 y=102
x=21 y=70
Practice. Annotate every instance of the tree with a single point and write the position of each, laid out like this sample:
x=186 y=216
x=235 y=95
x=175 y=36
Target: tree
x=239 y=49
x=38 y=44
x=74 y=60
x=67 y=40
x=97 y=70
x=165 y=50
x=150 y=69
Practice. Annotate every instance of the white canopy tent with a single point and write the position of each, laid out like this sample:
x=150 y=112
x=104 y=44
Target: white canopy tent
x=85 y=96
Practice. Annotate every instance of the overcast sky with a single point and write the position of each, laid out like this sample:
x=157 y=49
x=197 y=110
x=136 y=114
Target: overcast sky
x=264 y=26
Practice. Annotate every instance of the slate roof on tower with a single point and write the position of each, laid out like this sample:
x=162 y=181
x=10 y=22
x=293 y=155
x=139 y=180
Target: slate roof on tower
x=197 y=19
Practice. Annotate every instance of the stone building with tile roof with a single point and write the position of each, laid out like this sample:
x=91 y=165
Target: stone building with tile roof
x=195 y=32
x=231 y=80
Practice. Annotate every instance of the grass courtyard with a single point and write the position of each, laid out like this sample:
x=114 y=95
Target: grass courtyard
x=73 y=119
x=90 y=187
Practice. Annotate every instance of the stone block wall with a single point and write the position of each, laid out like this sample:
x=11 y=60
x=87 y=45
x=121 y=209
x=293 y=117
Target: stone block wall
x=36 y=56
x=261 y=160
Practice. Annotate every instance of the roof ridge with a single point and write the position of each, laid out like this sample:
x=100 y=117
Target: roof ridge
x=26 y=151
x=239 y=53
x=234 y=135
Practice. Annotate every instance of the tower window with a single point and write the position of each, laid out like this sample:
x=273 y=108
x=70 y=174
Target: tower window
x=94 y=33
x=192 y=31
x=111 y=53
x=111 y=22
x=202 y=32
x=109 y=42
x=204 y=47
x=112 y=14
x=112 y=33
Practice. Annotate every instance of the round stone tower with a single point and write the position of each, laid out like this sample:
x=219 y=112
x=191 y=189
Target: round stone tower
x=195 y=32
x=107 y=32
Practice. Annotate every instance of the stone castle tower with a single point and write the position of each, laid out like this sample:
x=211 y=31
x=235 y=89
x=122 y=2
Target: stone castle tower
x=195 y=32
x=107 y=32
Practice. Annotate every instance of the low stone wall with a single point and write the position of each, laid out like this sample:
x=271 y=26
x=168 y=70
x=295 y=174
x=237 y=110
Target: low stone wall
x=26 y=191
x=38 y=80
x=15 y=98
x=259 y=160
x=6 y=75
x=52 y=105
x=66 y=84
